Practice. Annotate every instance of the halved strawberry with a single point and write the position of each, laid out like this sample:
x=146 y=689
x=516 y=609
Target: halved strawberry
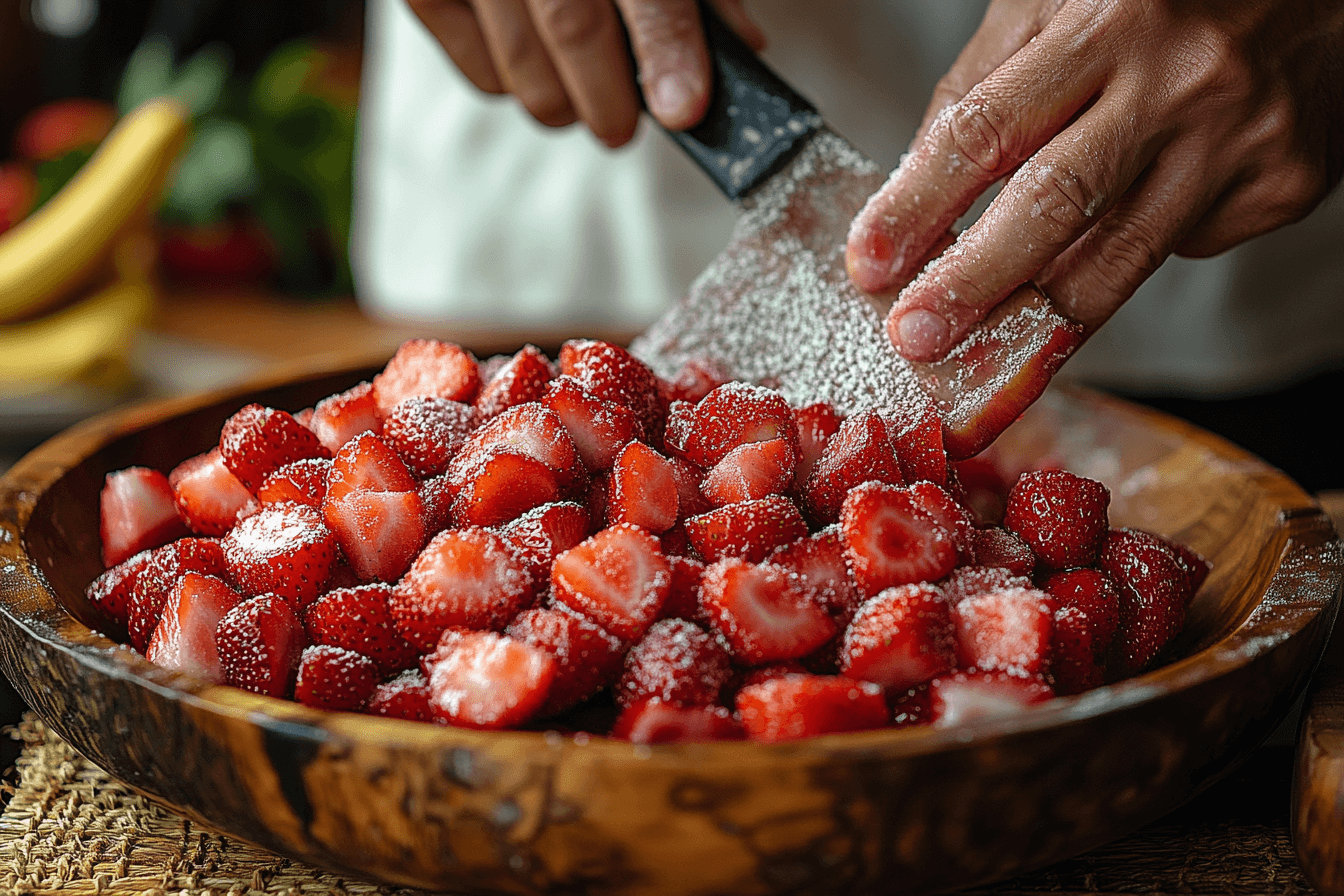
x=333 y=677
x=427 y=433
x=404 y=697
x=427 y=368
x=965 y=581
x=859 y=452
x=677 y=662
x=643 y=489
x=750 y=530
x=890 y=541
x=111 y=591
x=677 y=430
x=690 y=500
x=900 y=638
x=737 y=414
x=184 y=639
x=488 y=680
x=599 y=428
x=463 y=577
x=654 y=721
x=1060 y=515
x=544 y=533
x=209 y=498
x=966 y=696
x=379 y=532
x=917 y=441
x=359 y=618
x=683 y=600
x=613 y=374
x=436 y=503
x=819 y=560
x=751 y=472
x=500 y=487
x=165 y=566
x=587 y=657
x=764 y=612
x=797 y=706
x=530 y=430
x=257 y=441
x=1008 y=630
x=338 y=418
x=367 y=463
x=937 y=503
x=694 y=380
x=260 y=642
x=520 y=379
x=619 y=578
x=997 y=547
x=817 y=423
x=137 y=512
x=1154 y=590
x=301 y=482
x=284 y=549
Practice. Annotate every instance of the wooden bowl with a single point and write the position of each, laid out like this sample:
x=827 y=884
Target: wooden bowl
x=914 y=810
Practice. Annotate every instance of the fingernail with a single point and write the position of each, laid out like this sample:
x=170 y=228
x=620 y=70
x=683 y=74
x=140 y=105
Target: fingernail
x=921 y=335
x=671 y=98
x=870 y=259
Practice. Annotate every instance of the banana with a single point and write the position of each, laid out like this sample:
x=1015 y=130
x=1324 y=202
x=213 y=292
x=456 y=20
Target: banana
x=60 y=248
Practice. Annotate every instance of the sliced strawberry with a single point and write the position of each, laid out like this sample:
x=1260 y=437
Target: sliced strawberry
x=600 y=429
x=1062 y=516
x=613 y=374
x=137 y=512
x=260 y=642
x=532 y=431
x=996 y=547
x=677 y=662
x=890 y=541
x=967 y=696
x=751 y=472
x=284 y=549
x=501 y=487
x=643 y=489
x=302 y=482
x=426 y=368
x=808 y=705
x=428 y=432
x=359 y=618
x=677 y=432
x=332 y=677
x=520 y=379
x=859 y=452
x=1008 y=630
x=690 y=500
x=338 y=418
x=111 y=591
x=209 y=498
x=654 y=721
x=367 y=463
x=900 y=638
x=544 y=533
x=257 y=441
x=917 y=441
x=1154 y=590
x=463 y=577
x=817 y=423
x=819 y=560
x=764 y=613
x=488 y=680
x=694 y=380
x=436 y=502
x=165 y=566
x=737 y=414
x=587 y=658
x=683 y=600
x=619 y=578
x=750 y=530
x=404 y=697
x=184 y=639
x=379 y=532
x=965 y=581
x=937 y=503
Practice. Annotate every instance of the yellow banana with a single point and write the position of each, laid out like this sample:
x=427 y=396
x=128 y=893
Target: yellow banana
x=67 y=242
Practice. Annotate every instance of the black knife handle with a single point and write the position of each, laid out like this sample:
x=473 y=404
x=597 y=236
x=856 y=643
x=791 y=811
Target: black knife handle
x=755 y=123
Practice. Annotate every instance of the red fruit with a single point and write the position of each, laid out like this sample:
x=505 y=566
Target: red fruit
x=965 y=581
x=859 y=452
x=677 y=662
x=1060 y=515
x=532 y=431
x=683 y=600
x=737 y=414
x=750 y=530
x=257 y=441
x=985 y=487
x=436 y=502
x=914 y=707
x=463 y=577
x=890 y=541
x=62 y=126
x=428 y=433
x=597 y=499
x=544 y=533
x=367 y=463
x=260 y=642
x=1196 y=568
x=338 y=418
x=136 y=513
x=379 y=532
x=600 y=429
x=900 y=638
x=184 y=639
x=619 y=578
x=165 y=566
x=501 y=486
x=111 y=591
x=587 y=658
x=209 y=498
x=937 y=503
x=751 y=472
x=18 y=193
x=613 y=374
x=427 y=368
x=995 y=547
x=677 y=431
x=1008 y=630
x=819 y=561
x=917 y=441
x=520 y=379
x=1154 y=590
x=285 y=549
x=643 y=489
x=404 y=697
x=807 y=705
x=696 y=379
x=302 y=482
x=690 y=501
x=332 y=677
x=764 y=613
x=487 y=680
x=653 y=721
x=817 y=423
x=968 y=696
x=359 y=618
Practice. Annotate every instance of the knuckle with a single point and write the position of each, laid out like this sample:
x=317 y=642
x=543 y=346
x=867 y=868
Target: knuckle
x=571 y=23
x=976 y=133
x=1063 y=200
x=1129 y=252
x=1295 y=190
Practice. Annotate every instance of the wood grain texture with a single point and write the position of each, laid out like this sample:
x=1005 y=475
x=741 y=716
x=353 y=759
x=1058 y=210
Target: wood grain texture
x=530 y=812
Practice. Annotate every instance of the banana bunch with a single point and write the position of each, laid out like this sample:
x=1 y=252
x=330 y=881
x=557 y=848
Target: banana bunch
x=75 y=277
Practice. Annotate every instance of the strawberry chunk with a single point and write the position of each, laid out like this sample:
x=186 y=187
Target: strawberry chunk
x=520 y=379
x=937 y=503
x=338 y=418
x=1196 y=568
x=302 y=482
x=587 y=658
x=257 y=441
x=917 y=441
x=1001 y=548
x=819 y=560
x=427 y=433
x=209 y=498
x=426 y=368
x=677 y=662
x=859 y=452
x=600 y=429
x=737 y=414
x=683 y=599
x=1060 y=515
x=694 y=380
x=808 y=705
x=111 y=591
x=890 y=541
x=379 y=532
x=284 y=549
x=137 y=512
x=331 y=677
x=900 y=638
x=643 y=489
x=436 y=504
x=532 y=431
x=751 y=472
x=544 y=533
x=184 y=639
x=816 y=423
x=968 y=696
x=1154 y=590
x=750 y=530
x=619 y=578
x=763 y=612
x=500 y=487
x=690 y=500
x=404 y=697
x=359 y=618
x=986 y=489
x=260 y=642
x=613 y=374
x=1008 y=630
x=463 y=577
x=165 y=566
x=654 y=721
x=367 y=463
x=965 y=581
x=488 y=680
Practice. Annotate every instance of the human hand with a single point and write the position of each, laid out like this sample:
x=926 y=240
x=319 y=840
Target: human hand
x=1128 y=130
x=569 y=60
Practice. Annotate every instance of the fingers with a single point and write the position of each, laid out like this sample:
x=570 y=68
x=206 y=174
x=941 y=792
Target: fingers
x=454 y=26
x=1256 y=205
x=668 y=40
x=522 y=61
x=735 y=16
